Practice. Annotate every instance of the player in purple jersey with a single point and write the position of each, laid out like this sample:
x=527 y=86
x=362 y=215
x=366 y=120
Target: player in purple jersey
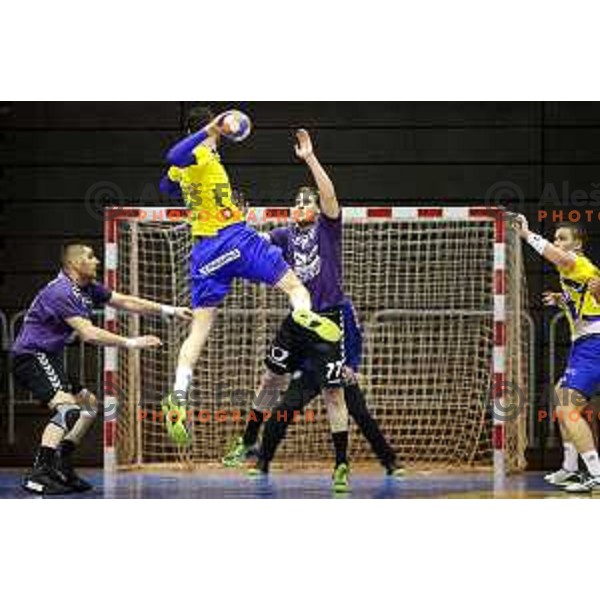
x=313 y=247
x=60 y=313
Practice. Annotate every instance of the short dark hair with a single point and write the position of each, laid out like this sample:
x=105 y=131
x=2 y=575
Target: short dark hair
x=198 y=117
x=307 y=190
x=71 y=249
x=579 y=233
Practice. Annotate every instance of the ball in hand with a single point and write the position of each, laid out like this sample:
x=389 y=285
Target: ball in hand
x=236 y=126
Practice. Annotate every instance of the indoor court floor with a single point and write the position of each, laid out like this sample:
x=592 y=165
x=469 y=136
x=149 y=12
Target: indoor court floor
x=10 y=484
x=228 y=485
x=305 y=485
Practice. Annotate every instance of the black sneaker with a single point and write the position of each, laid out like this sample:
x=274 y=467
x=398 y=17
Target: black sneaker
x=66 y=473
x=44 y=481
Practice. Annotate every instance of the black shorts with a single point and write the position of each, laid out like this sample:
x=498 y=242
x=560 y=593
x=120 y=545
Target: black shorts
x=295 y=348
x=43 y=374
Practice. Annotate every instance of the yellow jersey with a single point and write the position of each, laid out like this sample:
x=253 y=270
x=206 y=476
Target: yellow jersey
x=207 y=193
x=582 y=310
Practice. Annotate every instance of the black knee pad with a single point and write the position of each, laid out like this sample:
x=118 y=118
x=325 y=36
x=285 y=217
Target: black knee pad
x=66 y=415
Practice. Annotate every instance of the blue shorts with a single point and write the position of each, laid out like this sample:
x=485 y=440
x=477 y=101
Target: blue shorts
x=235 y=252
x=583 y=369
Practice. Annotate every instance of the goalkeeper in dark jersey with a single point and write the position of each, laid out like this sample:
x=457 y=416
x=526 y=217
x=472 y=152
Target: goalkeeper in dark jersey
x=313 y=247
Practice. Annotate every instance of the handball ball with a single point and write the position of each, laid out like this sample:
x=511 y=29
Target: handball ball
x=236 y=126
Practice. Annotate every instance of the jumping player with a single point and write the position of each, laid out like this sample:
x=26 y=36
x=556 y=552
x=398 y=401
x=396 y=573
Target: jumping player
x=225 y=248
x=582 y=376
x=60 y=313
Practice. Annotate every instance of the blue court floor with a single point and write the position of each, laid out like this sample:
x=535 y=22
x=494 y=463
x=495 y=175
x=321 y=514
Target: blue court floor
x=180 y=484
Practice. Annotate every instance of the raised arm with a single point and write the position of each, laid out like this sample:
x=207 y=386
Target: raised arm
x=97 y=336
x=148 y=307
x=304 y=150
x=563 y=260
x=182 y=153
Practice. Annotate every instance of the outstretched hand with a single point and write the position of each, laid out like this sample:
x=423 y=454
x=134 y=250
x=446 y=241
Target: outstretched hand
x=552 y=298
x=521 y=226
x=304 y=147
x=184 y=313
x=144 y=341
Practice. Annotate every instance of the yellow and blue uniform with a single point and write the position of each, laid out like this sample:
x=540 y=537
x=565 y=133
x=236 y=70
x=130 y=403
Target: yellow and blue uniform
x=207 y=193
x=225 y=247
x=583 y=313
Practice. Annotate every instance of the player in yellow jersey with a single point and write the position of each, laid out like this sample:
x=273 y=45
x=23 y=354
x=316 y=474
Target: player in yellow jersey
x=582 y=376
x=224 y=249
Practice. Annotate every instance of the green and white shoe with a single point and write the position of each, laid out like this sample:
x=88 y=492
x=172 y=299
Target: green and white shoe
x=341 y=481
x=396 y=473
x=325 y=328
x=237 y=454
x=175 y=417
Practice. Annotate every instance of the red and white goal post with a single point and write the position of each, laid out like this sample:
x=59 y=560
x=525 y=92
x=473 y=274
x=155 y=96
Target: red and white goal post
x=441 y=295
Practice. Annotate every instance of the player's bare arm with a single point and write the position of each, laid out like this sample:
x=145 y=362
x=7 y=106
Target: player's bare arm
x=142 y=306
x=97 y=336
x=304 y=151
x=551 y=252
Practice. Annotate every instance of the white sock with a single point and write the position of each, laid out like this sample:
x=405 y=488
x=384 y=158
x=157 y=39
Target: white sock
x=592 y=462
x=183 y=379
x=571 y=457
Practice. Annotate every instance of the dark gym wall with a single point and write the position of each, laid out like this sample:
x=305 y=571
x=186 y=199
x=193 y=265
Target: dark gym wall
x=55 y=155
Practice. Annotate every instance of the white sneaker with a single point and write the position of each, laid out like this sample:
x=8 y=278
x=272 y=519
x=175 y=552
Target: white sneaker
x=562 y=478
x=588 y=485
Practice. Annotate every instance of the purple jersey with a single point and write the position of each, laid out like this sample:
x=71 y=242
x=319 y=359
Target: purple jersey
x=315 y=254
x=45 y=328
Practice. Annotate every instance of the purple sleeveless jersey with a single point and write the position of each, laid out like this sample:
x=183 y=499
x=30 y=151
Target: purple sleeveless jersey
x=315 y=254
x=45 y=328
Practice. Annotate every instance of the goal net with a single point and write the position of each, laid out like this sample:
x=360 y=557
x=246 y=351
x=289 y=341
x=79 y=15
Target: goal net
x=441 y=296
